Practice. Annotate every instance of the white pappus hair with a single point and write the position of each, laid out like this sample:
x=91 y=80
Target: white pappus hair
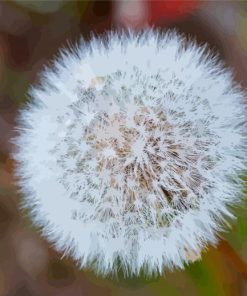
x=129 y=153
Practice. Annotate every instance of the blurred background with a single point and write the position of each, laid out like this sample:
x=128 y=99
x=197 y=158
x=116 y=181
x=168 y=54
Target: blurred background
x=30 y=34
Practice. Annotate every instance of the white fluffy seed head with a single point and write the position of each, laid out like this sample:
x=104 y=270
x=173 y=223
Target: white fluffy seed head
x=131 y=150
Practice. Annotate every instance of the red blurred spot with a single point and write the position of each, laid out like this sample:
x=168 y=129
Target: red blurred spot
x=170 y=10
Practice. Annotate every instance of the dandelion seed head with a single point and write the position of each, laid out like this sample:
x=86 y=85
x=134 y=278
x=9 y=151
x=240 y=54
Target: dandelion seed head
x=132 y=151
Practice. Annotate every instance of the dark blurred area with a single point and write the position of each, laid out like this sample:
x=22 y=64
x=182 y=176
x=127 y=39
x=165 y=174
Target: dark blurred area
x=31 y=32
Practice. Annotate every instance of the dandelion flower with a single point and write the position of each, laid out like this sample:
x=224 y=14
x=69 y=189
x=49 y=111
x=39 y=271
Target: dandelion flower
x=130 y=151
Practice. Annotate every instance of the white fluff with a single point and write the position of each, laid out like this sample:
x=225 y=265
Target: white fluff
x=130 y=151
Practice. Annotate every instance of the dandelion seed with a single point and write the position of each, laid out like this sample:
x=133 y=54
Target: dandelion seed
x=131 y=152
